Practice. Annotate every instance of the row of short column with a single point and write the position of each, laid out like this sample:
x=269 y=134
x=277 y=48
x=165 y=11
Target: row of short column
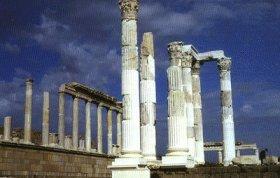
x=61 y=123
x=75 y=125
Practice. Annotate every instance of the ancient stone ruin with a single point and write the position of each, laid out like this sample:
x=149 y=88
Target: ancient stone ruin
x=134 y=153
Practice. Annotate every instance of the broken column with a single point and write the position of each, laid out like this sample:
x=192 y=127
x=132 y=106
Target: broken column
x=177 y=122
x=28 y=111
x=198 y=124
x=109 y=131
x=75 y=127
x=99 y=129
x=46 y=118
x=148 y=98
x=61 y=118
x=88 y=126
x=130 y=80
x=186 y=64
x=7 y=128
x=227 y=111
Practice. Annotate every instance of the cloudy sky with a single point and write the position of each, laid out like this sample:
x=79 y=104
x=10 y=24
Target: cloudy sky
x=57 y=42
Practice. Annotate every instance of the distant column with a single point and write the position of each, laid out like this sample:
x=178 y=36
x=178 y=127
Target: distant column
x=88 y=126
x=256 y=152
x=119 y=129
x=237 y=153
x=99 y=129
x=75 y=128
x=188 y=90
x=7 y=128
x=46 y=118
x=28 y=111
x=109 y=131
x=227 y=111
x=61 y=119
x=148 y=98
x=220 y=156
x=198 y=124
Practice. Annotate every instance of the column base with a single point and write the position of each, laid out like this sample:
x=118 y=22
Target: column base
x=178 y=160
x=129 y=168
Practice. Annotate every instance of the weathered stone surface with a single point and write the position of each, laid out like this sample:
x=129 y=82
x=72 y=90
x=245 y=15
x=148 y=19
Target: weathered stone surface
x=176 y=103
x=247 y=160
x=75 y=123
x=99 y=129
x=61 y=119
x=28 y=111
x=38 y=161
x=46 y=118
x=129 y=9
x=7 y=128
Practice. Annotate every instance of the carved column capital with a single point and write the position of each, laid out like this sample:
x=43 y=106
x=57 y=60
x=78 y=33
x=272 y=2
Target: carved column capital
x=196 y=65
x=224 y=64
x=129 y=9
x=187 y=60
x=175 y=52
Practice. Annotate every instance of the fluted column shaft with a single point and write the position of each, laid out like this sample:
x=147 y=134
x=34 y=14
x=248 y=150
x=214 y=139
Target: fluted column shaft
x=28 y=111
x=198 y=123
x=227 y=111
x=130 y=80
x=7 y=128
x=75 y=123
x=46 y=118
x=148 y=98
x=188 y=90
x=177 y=123
x=119 y=129
x=61 y=119
x=109 y=132
x=99 y=129
x=88 y=126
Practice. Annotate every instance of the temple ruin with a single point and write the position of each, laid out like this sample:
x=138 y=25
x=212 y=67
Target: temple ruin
x=134 y=152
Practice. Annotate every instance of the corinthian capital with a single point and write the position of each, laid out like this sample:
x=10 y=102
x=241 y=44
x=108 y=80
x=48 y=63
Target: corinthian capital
x=196 y=67
x=224 y=64
x=187 y=60
x=129 y=9
x=175 y=52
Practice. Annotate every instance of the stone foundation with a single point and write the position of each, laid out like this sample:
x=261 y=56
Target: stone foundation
x=271 y=171
x=19 y=160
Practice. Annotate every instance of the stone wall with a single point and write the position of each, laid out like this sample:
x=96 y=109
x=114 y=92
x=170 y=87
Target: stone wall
x=271 y=171
x=18 y=160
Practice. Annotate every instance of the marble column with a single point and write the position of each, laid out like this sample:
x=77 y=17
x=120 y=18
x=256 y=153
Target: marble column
x=237 y=153
x=227 y=111
x=187 y=60
x=177 y=122
x=28 y=111
x=198 y=124
x=220 y=156
x=88 y=126
x=7 y=128
x=61 y=119
x=148 y=98
x=99 y=129
x=46 y=118
x=130 y=80
x=256 y=152
x=109 y=132
x=75 y=127
x=119 y=129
